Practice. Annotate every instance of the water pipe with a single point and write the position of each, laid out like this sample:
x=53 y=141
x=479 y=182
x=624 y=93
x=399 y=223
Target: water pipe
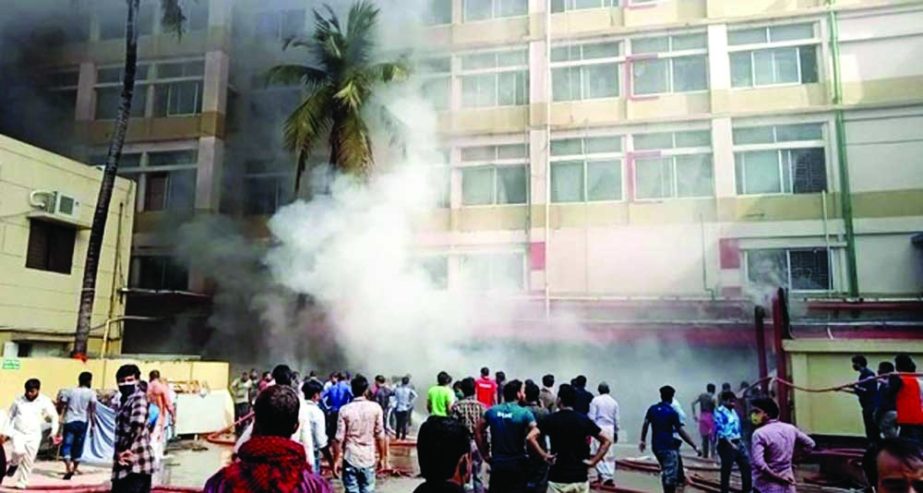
x=842 y=158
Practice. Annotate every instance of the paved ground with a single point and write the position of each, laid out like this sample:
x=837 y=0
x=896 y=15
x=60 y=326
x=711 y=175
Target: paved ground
x=189 y=464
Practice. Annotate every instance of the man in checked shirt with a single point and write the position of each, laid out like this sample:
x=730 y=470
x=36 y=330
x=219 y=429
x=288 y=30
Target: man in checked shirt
x=469 y=411
x=133 y=464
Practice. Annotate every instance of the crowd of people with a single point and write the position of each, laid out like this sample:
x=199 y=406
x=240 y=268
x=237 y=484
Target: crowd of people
x=142 y=410
x=540 y=438
x=532 y=437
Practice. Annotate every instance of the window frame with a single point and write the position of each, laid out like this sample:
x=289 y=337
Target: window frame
x=429 y=76
x=672 y=153
x=781 y=148
x=52 y=234
x=588 y=158
x=495 y=71
x=752 y=48
x=494 y=164
x=569 y=6
x=140 y=173
x=831 y=281
x=492 y=257
x=495 y=10
x=150 y=84
x=619 y=61
x=670 y=56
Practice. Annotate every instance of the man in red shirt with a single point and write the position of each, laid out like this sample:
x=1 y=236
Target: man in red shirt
x=486 y=389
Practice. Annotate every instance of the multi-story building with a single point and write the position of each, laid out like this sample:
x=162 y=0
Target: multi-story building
x=597 y=150
x=46 y=206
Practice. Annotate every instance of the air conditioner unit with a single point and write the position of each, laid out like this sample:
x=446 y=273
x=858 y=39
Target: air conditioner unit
x=55 y=203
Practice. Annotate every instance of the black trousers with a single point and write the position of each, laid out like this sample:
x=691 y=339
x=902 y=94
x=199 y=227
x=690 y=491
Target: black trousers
x=403 y=421
x=510 y=478
x=133 y=483
x=871 y=425
x=734 y=453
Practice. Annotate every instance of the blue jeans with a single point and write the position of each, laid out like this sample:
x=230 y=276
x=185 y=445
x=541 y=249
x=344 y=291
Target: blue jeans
x=75 y=434
x=358 y=479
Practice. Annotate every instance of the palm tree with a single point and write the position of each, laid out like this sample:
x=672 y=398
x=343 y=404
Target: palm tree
x=340 y=85
x=172 y=20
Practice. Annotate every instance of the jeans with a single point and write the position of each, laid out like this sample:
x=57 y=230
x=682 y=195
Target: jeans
x=477 y=464
x=912 y=432
x=669 y=468
x=734 y=453
x=402 y=418
x=358 y=479
x=75 y=434
x=133 y=483
x=240 y=410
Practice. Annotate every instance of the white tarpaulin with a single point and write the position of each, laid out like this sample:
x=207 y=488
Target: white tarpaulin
x=200 y=414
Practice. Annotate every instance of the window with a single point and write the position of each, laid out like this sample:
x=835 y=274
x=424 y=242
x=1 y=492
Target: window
x=680 y=64
x=280 y=25
x=493 y=271
x=795 y=269
x=158 y=272
x=436 y=269
x=478 y=10
x=494 y=175
x=178 y=90
x=438 y=12
x=585 y=71
x=196 y=12
x=773 y=55
x=681 y=168
x=267 y=186
x=780 y=159
x=567 y=5
x=51 y=247
x=166 y=179
x=63 y=88
x=109 y=91
x=495 y=78
x=586 y=169
x=436 y=77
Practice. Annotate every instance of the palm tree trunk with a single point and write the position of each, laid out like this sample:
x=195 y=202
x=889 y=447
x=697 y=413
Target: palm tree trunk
x=91 y=267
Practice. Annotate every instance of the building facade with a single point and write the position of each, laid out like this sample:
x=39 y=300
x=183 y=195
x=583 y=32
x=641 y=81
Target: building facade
x=46 y=207
x=595 y=149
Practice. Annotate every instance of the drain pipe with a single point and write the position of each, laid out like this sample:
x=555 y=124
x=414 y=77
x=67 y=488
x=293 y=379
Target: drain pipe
x=843 y=160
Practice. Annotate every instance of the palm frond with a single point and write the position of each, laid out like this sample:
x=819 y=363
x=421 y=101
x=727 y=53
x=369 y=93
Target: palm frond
x=172 y=17
x=353 y=145
x=360 y=33
x=397 y=71
x=307 y=125
x=290 y=74
x=395 y=128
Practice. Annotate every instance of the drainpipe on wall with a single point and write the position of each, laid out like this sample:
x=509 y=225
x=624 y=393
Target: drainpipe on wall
x=843 y=160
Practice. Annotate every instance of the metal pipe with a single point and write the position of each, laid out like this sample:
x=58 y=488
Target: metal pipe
x=759 y=318
x=547 y=90
x=108 y=324
x=842 y=159
x=823 y=204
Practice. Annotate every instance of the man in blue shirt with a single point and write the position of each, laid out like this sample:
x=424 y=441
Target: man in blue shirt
x=664 y=420
x=335 y=397
x=730 y=447
x=510 y=426
x=867 y=390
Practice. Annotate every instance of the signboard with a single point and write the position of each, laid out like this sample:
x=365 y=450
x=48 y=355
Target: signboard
x=10 y=364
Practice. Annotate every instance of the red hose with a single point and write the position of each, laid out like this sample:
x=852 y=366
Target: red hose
x=216 y=437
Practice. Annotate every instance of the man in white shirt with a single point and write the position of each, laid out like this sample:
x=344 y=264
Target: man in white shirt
x=604 y=411
x=317 y=421
x=27 y=416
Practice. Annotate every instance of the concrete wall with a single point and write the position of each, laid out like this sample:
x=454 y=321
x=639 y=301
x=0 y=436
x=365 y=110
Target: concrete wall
x=59 y=373
x=825 y=363
x=37 y=305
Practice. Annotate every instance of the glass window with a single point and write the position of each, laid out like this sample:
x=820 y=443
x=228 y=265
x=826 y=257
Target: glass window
x=567 y=181
x=568 y=5
x=438 y=12
x=476 y=10
x=493 y=271
x=681 y=64
x=512 y=185
x=107 y=101
x=773 y=65
x=478 y=186
x=178 y=98
x=654 y=178
x=781 y=171
x=495 y=79
x=172 y=158
x=50 y=246
x=795 y=269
